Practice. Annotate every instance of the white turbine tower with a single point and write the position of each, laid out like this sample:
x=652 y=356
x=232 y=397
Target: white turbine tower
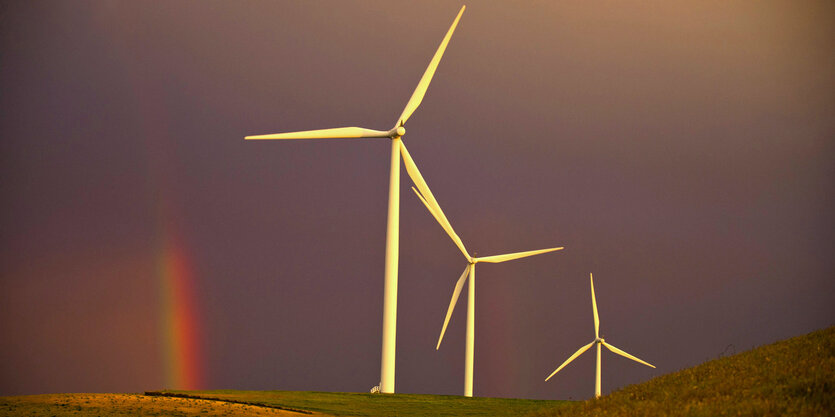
x=392 y=229
x=598 y=341
x=425 y=195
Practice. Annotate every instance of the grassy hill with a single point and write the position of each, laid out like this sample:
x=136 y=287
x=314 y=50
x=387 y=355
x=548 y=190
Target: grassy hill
x=264 y=403
x=794 y=377
x=359 y=404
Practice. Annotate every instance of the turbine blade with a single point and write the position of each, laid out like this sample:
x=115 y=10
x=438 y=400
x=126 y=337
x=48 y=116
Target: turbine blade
x=429 y=199
x=423 y=84
x=511 y=256
x=437 y=217
x=455 y=293
x=571 y=358
x=625 y=355
x=336 y=133
x=594 y=308
x=425 y=203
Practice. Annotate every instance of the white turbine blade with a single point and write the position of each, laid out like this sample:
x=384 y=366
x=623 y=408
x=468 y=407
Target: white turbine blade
x=571 y=358
x=625 y=355
x=440 y=221
x=511 y=256
x=455 y=293
x=429 y=199
x=336 y=133
x=594 y=308
x=420 y=90
x=425 y=203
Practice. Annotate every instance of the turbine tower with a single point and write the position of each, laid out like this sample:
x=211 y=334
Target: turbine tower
x=597 y=341
x=425 y=195
x=392 y=228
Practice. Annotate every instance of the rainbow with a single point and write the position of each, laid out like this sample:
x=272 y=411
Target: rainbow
x=182 y=355
x=180 y=338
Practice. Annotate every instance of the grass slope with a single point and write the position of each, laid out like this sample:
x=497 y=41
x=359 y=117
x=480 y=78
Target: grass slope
x=794 y=377
x=358 y=404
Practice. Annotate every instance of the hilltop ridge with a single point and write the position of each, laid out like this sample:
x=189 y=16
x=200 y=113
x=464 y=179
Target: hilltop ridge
x=792 y=377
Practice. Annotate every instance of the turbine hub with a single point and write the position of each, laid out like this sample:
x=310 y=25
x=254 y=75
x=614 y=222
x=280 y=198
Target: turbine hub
x=400 y=131
x=600 y=340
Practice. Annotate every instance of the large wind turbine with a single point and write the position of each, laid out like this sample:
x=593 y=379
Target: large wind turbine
x=425 y=195
x=392 y=228
x=598 y=341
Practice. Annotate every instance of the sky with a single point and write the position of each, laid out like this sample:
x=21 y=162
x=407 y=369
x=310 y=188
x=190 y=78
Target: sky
x=682 y=151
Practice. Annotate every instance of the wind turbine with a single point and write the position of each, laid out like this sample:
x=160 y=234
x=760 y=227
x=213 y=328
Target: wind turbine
x=425 y=195
x=598 y=341
x=392 y=228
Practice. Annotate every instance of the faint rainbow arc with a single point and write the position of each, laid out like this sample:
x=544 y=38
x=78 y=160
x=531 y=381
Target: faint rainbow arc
x=182 y=354
x=180 y=333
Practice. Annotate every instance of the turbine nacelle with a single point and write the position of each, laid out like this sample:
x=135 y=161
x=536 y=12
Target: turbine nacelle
x=396 y=132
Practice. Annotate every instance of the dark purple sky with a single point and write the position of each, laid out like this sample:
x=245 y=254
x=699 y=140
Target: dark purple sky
x=680 y=151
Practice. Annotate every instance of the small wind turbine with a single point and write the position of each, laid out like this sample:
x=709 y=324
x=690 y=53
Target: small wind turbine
x=425 y=195
x=598 y=341
x=392 y=228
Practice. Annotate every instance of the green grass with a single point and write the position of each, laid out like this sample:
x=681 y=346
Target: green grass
x=794 y=377
x=358 y=404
